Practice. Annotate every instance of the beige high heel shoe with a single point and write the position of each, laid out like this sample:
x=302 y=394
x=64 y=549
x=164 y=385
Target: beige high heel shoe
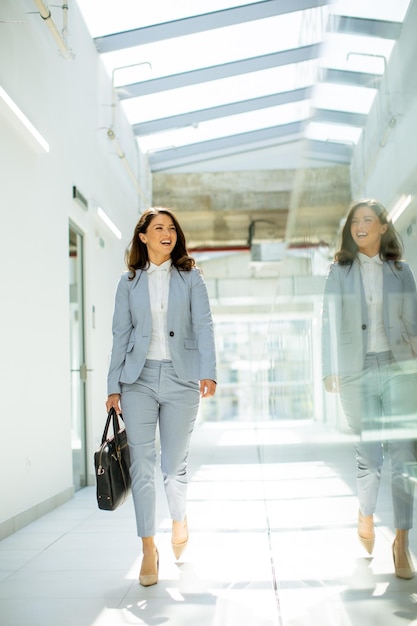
x=364 y=522
x=406 y=572
x=146 y=580
x=179 y=547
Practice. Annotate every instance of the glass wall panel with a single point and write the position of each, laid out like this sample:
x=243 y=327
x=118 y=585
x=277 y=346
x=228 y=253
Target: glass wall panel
x=264 y=371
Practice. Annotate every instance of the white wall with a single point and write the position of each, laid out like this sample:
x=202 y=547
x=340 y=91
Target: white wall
x=68 y=101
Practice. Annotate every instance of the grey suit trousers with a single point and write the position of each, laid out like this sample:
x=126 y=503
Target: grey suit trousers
x=380 y=405
x=159 y=397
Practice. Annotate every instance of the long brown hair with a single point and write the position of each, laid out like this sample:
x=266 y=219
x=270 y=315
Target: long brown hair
x=391 y=246
x=136 y=256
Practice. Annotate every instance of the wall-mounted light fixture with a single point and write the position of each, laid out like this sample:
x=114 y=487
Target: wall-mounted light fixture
x=27 y=124
x=79 y=198
x=399 y=207
x=111 y=225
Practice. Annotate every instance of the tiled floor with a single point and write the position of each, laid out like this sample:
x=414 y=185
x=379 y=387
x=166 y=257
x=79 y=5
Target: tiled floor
x=272 y=516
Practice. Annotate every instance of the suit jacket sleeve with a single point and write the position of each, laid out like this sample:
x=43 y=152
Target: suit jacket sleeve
x=409 y=307
x=203 y=327
x=122 y=328
x=331 y=320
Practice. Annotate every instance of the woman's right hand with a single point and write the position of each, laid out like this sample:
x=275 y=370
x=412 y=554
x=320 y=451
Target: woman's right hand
x=113 y=402
x=332 y=384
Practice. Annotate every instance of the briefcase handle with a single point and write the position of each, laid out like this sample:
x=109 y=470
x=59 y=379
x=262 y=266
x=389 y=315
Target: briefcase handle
x=113 y=418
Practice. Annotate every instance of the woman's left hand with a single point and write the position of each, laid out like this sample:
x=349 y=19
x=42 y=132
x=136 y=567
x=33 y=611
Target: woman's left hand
x=207 y=388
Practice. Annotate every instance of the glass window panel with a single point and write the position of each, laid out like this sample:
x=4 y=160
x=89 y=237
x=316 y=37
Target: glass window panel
x=265 y=368
x=333 y=132
x=227 y=126
x=343 y=97
x=218 y=92
x=356 y=53
x=372 y=9
x=214 y=47
x=107 y=16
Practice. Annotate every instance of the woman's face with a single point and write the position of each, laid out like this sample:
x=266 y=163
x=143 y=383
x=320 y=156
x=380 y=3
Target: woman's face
x=160 y=238
x=367 y=230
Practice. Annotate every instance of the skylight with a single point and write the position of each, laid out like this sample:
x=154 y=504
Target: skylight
x=332 y=62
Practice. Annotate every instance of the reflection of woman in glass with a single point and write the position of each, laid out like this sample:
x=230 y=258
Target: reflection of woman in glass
x=369 y=356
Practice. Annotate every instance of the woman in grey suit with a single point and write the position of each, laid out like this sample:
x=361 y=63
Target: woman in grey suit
x=369 y=344
x=163 y=360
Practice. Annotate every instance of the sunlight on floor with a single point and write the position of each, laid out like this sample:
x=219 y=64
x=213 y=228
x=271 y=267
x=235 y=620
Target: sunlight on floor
x=273 y=542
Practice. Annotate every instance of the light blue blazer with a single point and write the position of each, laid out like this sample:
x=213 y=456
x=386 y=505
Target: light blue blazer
x=189 y=325
x=345 y=318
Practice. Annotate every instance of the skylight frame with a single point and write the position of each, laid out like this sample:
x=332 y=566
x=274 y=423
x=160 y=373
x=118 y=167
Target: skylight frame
x=343 y=52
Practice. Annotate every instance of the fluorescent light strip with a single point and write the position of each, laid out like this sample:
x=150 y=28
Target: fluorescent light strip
x=399 y=207
x=24 y=120
x=109 y=223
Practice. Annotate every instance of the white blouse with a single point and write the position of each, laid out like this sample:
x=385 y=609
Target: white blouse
x=158 y=283
x=371 y=270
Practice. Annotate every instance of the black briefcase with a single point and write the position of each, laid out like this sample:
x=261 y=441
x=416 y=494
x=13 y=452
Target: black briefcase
x=112 y=463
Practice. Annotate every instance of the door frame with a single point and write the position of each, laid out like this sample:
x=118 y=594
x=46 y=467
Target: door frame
x=80 y=480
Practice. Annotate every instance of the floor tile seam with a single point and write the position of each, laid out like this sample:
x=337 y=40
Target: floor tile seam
x=37 y=553
x=125 y=598
x=121 y=574
x=28 y=530
x=32 y=558
x=9 y=574
x=72 y=598
x=18 y=548
x=273 y=568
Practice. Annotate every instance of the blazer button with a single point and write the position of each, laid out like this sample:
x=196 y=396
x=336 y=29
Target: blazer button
x=171 y=334
x=363 y=326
